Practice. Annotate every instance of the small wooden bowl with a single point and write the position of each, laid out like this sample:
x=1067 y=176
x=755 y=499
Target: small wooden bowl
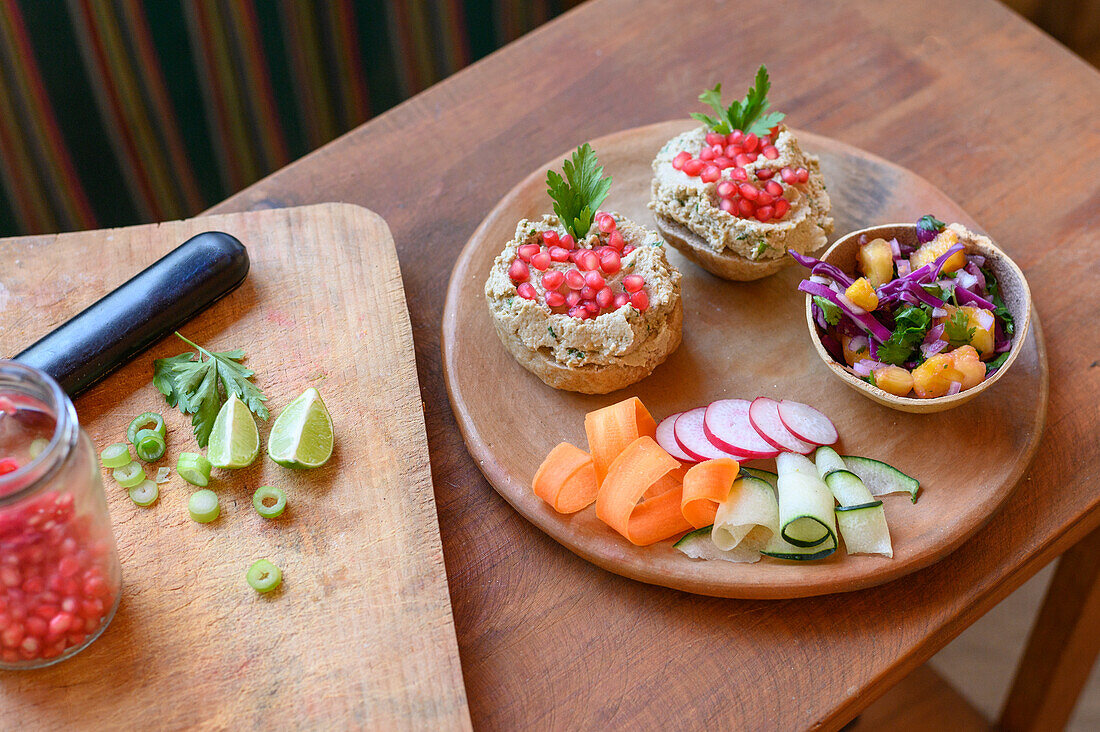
x=1014 y=291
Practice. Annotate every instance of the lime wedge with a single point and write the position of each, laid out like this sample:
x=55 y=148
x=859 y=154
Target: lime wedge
x=234 y=441
x=302 y=434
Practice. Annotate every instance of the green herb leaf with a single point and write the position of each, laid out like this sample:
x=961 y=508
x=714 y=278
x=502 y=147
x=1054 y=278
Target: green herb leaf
x=750 y=115
x=196 y=386
x=956 y=330
x=997 y=362
x=994 y=290
x=579 y=194
x=910 y=327
x=831 y=311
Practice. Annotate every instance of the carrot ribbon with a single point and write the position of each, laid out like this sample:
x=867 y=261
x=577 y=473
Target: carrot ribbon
x=566 y=479
x=640 y=465
x=612 y=428
x=705 y=486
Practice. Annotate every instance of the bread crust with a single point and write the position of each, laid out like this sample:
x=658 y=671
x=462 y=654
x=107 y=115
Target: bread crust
x=729 y=265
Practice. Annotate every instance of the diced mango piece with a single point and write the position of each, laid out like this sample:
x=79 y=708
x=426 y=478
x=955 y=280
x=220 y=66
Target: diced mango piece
x=968 y=364
x=930 y=251
x=850 y=355
x=894 y=380
x=982 y=339
x=862 y=294
x=876 y=261
x=933 y=377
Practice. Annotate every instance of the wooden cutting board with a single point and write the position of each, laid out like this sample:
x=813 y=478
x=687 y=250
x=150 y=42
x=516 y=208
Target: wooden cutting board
x=360 y=634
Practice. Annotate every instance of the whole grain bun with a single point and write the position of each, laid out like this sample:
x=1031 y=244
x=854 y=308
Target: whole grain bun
x=728 y=265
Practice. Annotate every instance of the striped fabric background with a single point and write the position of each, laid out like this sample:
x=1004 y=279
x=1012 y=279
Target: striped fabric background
x=115 y=112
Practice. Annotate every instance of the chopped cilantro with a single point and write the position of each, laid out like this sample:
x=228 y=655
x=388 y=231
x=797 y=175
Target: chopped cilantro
x=760 y=248
x=574 y=353
x=997 y=362
x=910 y=326
x=831 y=311
x=551 y=329
x=956 y=330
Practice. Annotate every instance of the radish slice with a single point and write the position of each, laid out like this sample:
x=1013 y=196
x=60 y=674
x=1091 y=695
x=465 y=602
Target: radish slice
x=692 y=439
x=764 y=415
x=728 y=427
x=666 y=438
x=806 y=423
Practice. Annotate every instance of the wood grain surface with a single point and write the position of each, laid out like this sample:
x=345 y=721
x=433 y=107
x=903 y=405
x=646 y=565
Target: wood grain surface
x=741 y=340
x=950 y=89
x=360 y=634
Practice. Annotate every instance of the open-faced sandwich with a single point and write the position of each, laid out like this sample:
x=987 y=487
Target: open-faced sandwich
x=737 y=193
x=584 y=299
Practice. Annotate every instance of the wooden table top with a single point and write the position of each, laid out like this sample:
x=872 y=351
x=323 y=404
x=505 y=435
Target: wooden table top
x=966 y=94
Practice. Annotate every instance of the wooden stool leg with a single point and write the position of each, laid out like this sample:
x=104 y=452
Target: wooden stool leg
x=1062 y=646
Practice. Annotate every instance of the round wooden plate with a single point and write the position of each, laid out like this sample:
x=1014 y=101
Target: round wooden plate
x=741 y=340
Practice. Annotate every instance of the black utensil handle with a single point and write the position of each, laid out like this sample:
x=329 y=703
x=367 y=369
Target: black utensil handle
x=150 y=305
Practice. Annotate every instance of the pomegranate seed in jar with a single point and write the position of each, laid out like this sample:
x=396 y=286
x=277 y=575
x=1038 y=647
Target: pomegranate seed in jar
x=788 y=176
x=764 y=213
x=552 y=280
x=710 y=174
x=550 y=238
x=605 y=298
x=555 y=299
x=541 y=261
x=694 y=167
x=765 y=173
x=572 y=298
x=727 y=205
x=559 y=254
x=782 y=206
x=713 y=138
x=574 y=280
x=706 y=154
x=526 y=290
x=633 y=283
x=610 y=262
x=621 y=299
x=745 y=208
x=568 y=242
x=518 y=272
x=774 y=188
x=771 y=152
x=680 y=159
x=594 y=280
x=739 y=174
x=640 y=300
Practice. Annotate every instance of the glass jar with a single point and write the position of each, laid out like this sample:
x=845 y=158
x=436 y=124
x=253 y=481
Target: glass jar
x=60 y=578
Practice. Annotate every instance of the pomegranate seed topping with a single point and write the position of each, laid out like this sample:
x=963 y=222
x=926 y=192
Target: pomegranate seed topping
x=572 y=298
x=782 y=206
x=588 y=292
x=552 y=280
x=621 y=299
x=771 y=152
x=615 y=241
x=735 y=137
x=558 y=254
x=578 y=311
x=518 y=272
x=723 y=162
x=568 y=242
x=633 y=283
x=732 y=151
x=694 y=167
x=555 y=299
x=751 y=142
x=788 y=176
x=680 y=159
x=742 y=160
x=526 y=290
x=765 y=173
x=606 y=224
x=718 y=150
x=574 y=280
x=725 y=189
x=745 y=208
x=739 y=174
x=774 y=188
x=803 y=175
x=541 y=261
x=592 y=308
x=640 y=300
x=710 y=174
x=764 y=213
x=527 y=251
x=727 y=205
x=713 y=138
x=610 y=262
x=550 y=238
x=706 y=154
x=628 y=249
x=594 y=280
x=764 y=198
x=748 y=191
x=605 y=298
x=588 y=260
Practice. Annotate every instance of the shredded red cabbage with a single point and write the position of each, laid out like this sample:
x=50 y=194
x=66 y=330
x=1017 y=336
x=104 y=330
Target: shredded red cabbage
x=864 y=320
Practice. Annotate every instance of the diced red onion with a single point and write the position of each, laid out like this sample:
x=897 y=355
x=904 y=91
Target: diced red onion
x=931 y=349
x=865 y=366
x=904 y=268
x=985 y=320
x=934 y=333
x=820 y=280
x=955 y=388
x=1002 y=346
x=977 y=260
x=858 y=343
x=895 y=248
x=851 y=306
x=973 y=269
x=939 y=313
x=966 y=279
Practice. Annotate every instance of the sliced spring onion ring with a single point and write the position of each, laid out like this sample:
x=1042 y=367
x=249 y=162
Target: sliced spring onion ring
x=149 y=445
x=38 y=446
x=144 y=493
x=129 y=475
x=203 y=506
x=162 y=475
x=116 y=455
x=193 y=468
x=149 y=420
x=263 y=576
x=269 y=502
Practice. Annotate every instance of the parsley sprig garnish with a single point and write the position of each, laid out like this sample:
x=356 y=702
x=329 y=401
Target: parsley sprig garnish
x=199 y=387
x=748 y=115
x=579 y=194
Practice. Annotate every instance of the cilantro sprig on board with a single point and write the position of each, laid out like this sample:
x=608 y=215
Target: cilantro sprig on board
x=199 y=387
x=748 y=115
x=579 y=194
